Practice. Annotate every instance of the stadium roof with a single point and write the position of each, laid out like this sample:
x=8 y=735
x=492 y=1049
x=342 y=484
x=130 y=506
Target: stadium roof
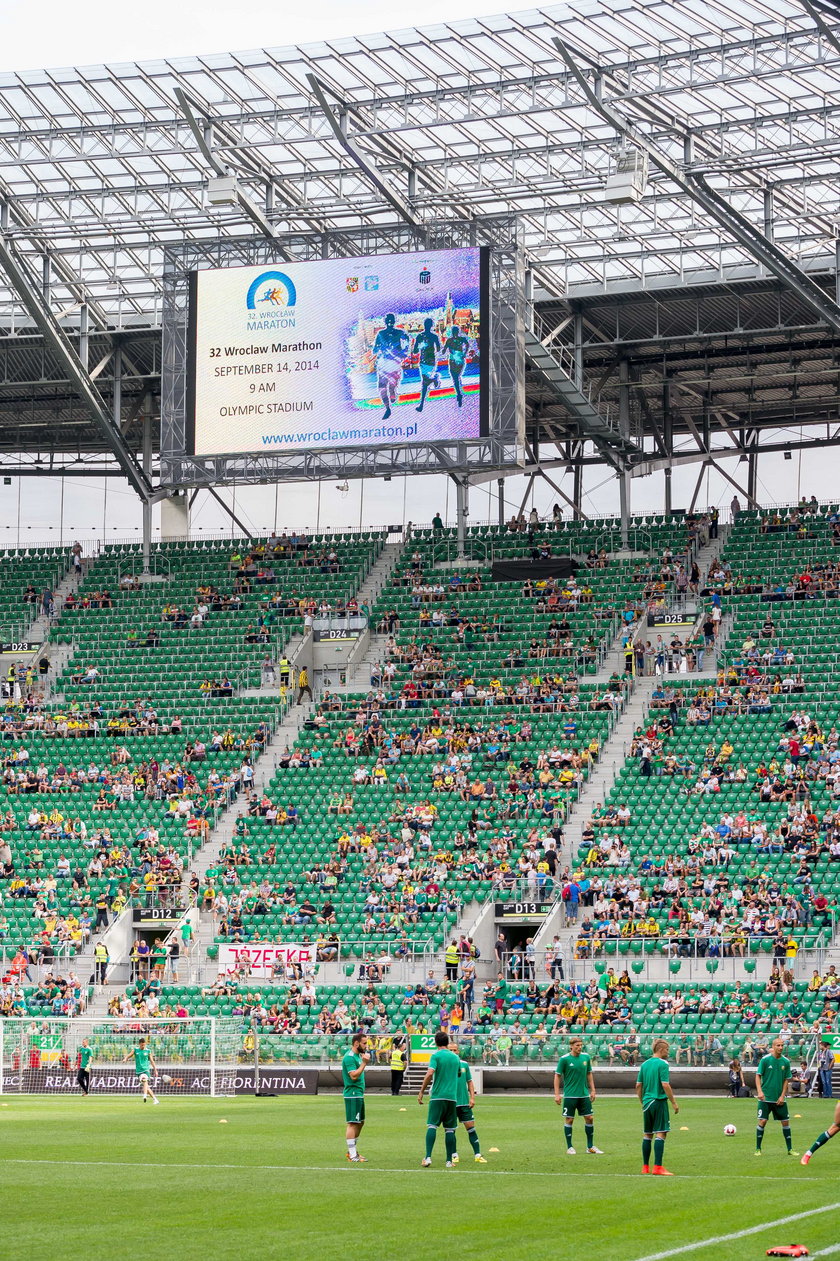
x=101 y=167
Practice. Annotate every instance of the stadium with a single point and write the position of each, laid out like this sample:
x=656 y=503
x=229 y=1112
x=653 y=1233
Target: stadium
x=443 y=708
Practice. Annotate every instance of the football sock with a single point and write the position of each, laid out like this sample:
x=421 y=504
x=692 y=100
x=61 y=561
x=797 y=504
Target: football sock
x=646 y=1146
x=759 y=1135
x=788 y=1139
x=351 y=1146
x=819 y=1142
x=567 y=1131
x=590 y=1135
x=658 y=1150
x=431 y=1135
x=449 y=1139
x=474 y=1143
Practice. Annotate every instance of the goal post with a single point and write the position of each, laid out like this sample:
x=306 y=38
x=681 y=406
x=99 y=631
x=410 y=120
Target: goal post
x=197 y=1056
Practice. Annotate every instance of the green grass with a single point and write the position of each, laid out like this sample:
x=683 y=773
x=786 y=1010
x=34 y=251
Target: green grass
x=116 y=1178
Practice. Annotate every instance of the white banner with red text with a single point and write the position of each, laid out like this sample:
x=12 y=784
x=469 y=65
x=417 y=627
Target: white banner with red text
x=265 y=959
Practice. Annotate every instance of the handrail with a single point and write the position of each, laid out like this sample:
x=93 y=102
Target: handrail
x=357 y=652
x=94 y=544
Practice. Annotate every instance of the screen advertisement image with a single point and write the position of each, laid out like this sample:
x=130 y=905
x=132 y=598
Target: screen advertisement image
x=348 y=352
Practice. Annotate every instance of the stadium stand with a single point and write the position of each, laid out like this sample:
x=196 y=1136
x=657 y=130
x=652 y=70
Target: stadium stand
x=745 y=761
x=113 y=783
x=396 y=811
x=212 y=616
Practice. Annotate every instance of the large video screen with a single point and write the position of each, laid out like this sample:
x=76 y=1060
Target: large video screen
x=343 y=352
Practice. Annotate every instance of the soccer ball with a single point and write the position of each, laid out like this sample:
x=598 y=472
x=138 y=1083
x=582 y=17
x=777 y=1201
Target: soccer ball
x=166 y=1079
x=729 y=1130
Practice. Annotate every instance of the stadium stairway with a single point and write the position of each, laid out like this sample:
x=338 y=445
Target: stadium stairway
x=596 y=789
x=357 y=676
x=208 y=855
x=475 y=918
x=713 y=659
x=709 y=551
x=613 y=756
x=380 y=573
x=613 y=662
x=59 y=655
x=359 y=673
x=291 y=649
x=222 y=835
x=40 y=628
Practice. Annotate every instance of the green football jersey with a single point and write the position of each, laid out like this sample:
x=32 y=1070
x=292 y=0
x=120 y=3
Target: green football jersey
x=447 y=1067
x=142 y=1060
x=773 y=1073
x=352 y=1089
x=652 y=1074
x=85 y=1056
x=464 y=1079
x=574 y=1069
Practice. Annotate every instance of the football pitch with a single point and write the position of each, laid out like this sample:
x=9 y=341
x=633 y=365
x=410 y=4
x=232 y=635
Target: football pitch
x=118 y=1178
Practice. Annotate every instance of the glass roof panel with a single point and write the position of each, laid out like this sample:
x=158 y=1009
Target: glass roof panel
x=483 y=109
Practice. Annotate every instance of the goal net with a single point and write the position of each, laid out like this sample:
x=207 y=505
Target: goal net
x=202 y=1055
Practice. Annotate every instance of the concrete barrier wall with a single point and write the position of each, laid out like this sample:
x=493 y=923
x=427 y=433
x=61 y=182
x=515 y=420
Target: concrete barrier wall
x=540 y=1080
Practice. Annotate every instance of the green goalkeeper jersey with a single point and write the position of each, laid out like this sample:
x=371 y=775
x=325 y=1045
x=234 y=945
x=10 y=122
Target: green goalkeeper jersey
x=575 y=1070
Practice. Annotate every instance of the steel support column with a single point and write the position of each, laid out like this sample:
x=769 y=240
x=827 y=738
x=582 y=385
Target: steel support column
x=752 y=474
x=84 y=336
x=668 y=439
x=578 y=327
x=624 y=430
x=501 y=486
x=577 y=490
x=462 y=508
x=147 y=469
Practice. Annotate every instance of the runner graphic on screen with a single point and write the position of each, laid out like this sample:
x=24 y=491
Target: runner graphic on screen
x=390 y=349
x=456 y=347
x=427 y=346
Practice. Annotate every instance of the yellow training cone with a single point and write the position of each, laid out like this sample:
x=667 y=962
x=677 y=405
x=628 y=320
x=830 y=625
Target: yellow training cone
x=223 y=1121
x=494 y=1149
x=683 y=1127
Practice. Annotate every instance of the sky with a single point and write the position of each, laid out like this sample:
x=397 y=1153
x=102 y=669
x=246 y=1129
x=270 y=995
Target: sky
x=54 y=34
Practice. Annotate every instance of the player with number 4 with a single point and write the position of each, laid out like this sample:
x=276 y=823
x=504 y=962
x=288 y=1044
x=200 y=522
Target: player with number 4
x=353 y=1067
